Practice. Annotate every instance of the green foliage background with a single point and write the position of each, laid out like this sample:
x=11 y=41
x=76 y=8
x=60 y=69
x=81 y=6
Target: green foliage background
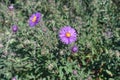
x=37 y=53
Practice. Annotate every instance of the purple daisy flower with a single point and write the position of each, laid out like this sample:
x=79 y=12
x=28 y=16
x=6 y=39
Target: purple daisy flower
x=34 y=19
x=14 y=28
x=67 y=35
x=74 y=49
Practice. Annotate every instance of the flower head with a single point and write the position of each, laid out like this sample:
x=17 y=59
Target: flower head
x=75 y=72
x=11 y=7
x=14 y=28
x=50 y=66
x=74 y=49
x=67 y=35
x=34 y=19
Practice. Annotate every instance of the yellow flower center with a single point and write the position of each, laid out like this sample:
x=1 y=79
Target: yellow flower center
x=34 y=19
x=68 y=34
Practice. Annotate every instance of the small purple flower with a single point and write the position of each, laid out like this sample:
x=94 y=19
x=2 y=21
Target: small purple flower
x=75 y=72
x=11 y=7
x=14 y=78
x=67 y=35
x=74 y=49
x=34 y=19
x=14 y=28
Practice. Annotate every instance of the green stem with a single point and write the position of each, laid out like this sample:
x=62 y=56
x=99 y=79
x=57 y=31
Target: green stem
x=6 y=48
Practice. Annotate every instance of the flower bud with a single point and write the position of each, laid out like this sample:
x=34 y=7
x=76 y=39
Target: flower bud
x=11 y=7
x=14 y=28
x=74 y=49
x=75 y=72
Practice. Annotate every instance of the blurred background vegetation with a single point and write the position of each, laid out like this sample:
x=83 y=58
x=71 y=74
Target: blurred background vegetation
x=37 y=54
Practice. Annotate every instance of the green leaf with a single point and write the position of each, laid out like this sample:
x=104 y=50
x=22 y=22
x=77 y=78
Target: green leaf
x=109 y=72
